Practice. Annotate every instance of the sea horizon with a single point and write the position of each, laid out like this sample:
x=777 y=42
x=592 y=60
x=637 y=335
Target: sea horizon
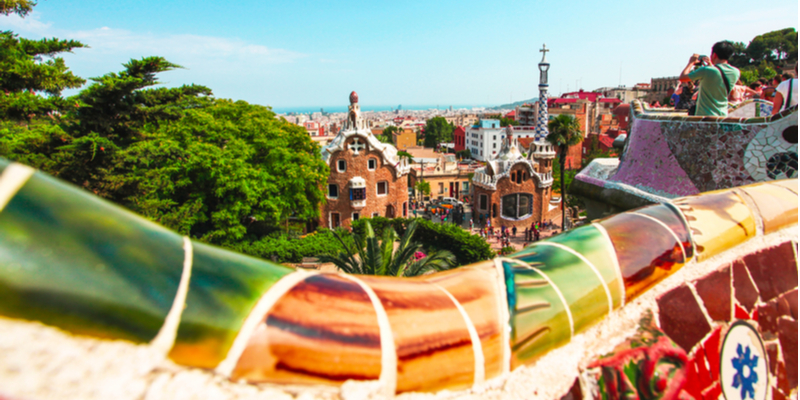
x=341 y=109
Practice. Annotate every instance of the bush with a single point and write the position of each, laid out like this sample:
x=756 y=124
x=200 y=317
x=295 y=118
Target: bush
x=467 y=248
x=285 y=249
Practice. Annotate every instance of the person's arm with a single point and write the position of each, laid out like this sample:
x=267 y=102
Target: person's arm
x=688 y=68
x=777 y=102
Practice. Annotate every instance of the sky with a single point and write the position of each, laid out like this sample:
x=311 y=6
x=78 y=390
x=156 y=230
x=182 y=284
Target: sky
x=306 y=53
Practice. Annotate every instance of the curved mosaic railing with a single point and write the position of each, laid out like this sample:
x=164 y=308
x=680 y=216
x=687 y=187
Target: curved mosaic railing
x=71 y=260
x=667 y=155
x=750 y=108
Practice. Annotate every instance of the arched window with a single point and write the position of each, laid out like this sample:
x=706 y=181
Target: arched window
x=517 y=206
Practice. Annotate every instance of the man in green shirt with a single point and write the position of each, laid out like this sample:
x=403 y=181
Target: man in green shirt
x=712 y=98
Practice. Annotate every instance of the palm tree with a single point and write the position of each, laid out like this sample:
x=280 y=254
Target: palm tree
x=565 y=131
x=370 y=256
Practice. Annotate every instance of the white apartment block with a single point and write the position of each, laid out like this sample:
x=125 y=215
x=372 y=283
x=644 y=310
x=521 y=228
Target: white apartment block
x=485 y=139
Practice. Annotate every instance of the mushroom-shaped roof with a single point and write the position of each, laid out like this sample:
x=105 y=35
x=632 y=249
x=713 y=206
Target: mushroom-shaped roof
x=353 y=97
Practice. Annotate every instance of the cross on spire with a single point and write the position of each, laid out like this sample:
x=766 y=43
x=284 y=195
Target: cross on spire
x=544 y=51
x=356 y=146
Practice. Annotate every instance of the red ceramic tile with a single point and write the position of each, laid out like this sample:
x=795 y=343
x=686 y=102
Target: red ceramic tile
x=774 y=270
x=788 y=337
x=771 y=312
x=711 y=346
x=791 y=299
x=715 y=291
x=772 y=355
x=739 y=312
x=681 y=317
x=713 y=392
x=783 y=380
x=776 y=394
x=692 y=386
x=743 y=287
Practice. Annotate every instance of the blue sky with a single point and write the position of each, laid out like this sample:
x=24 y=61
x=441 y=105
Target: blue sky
x=313 y=53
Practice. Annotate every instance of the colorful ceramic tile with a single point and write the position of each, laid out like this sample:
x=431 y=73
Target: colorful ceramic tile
x=592 y=244
x=323 y=330
x=719 y=220
x=541 y=320
x=581 y=293
x=434 y=349
x=777 y=206
x=647 y=250
x=476 y=290
x=668 y=214
x=72 y=260
x=223 y=289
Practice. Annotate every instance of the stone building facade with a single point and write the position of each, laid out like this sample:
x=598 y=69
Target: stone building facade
x=367 y=177
x=515 y=190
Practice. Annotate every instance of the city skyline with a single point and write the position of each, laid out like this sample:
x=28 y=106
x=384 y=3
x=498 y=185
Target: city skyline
x=312 y=54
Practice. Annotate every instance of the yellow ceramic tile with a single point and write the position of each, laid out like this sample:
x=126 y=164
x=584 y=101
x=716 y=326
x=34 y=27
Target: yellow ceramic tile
x=790 y=184
x=777 y=206
x=719 y=220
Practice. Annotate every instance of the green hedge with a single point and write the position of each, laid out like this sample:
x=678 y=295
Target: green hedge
x=286 y=249
x=467 y=248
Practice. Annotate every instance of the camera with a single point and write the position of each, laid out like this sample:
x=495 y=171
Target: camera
x=700 y=61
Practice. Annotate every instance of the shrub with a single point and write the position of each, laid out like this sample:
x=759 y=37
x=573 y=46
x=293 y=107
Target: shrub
x=468 y=248
x=285 y=249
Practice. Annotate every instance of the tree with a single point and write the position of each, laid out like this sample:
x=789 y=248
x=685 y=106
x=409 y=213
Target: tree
x=112 y=114
x=369 y=256
x=464 y=154
x=19 y=7
x=438 y=130
x=565 y=131
x=387 y=134
x=220 y=169
x=774 y=46
x=423 y=187
x=31 y=76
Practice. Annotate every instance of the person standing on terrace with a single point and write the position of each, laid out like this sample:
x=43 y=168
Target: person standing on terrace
x=716 y=78
x=785 y=94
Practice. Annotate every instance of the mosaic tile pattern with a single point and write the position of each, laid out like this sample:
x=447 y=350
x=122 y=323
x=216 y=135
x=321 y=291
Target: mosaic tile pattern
x=669 y=154
x=110 y=274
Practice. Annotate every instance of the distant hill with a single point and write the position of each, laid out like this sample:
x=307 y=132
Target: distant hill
x=513 y=105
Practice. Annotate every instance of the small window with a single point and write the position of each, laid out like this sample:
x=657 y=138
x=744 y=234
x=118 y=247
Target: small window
x=383 y=188
x=375 y=215
x=333 y=191
x=358 y=194
x=355 y=216
x=372 y=164
x=341 y=165
x=483 y=202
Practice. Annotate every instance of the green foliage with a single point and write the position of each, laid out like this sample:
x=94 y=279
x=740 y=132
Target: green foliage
x=467 y=248
x=212 y=169
x=565 y=131
x=386 y=137
x=465 y=154
x=368 y=255
x=748 y=75
x=286 y=249
x=774 y=46
x=438 y=130
x=423 y=187
x=19 y=7
x=770 y=49
x=507 y=250
x=32 y=77
x=219 y=166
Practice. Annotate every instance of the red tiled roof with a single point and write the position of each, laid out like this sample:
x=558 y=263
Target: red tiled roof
x=610 y=100
x=606 y=141
x=525 y=142
x=511 y=114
